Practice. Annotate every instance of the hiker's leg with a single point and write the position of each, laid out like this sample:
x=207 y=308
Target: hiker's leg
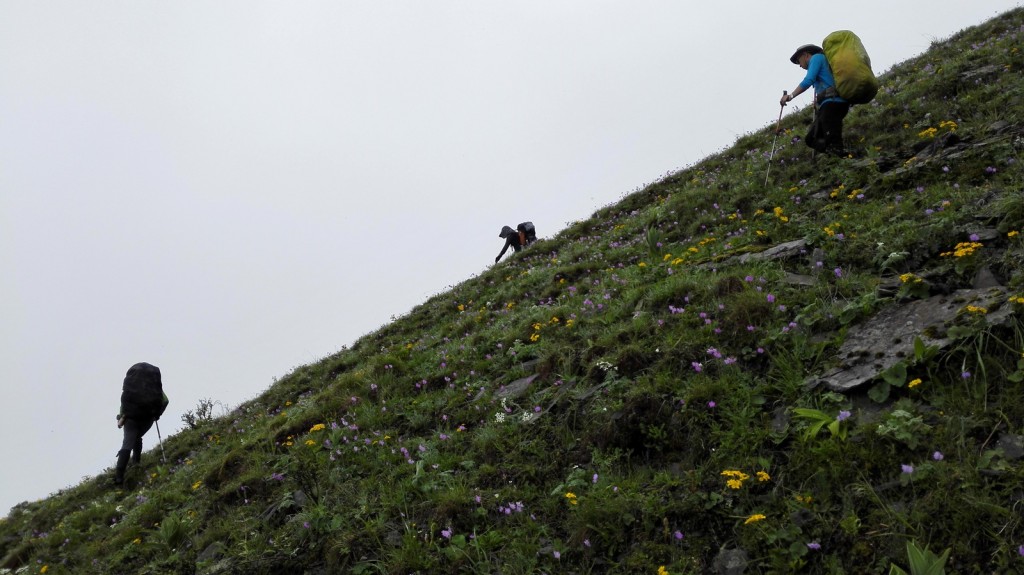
x=832 y=115
x=141 y=427
x=122 y=464
x=815 y=135
x=131 y=435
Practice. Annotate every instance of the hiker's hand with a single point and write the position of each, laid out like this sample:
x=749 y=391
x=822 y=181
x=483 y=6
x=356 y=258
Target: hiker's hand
x=120 y=423
x=785 y=98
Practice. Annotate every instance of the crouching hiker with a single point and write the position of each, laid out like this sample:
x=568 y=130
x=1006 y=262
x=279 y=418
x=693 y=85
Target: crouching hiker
x=826 y=133
x=143 y=401
x=524 y=235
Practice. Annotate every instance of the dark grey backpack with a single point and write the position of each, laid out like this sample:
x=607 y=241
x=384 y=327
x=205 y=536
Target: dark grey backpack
x=142 y=395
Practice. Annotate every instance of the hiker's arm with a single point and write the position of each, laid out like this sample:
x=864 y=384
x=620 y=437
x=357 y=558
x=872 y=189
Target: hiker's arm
x=508 y=242
x=163 y=405
x=800 y=89
x=813 y=69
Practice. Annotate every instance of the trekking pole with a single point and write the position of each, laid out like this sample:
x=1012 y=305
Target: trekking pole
x=163 y=457
x=778 y=127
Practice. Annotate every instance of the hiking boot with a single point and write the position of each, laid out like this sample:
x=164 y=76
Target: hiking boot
x=122 y=464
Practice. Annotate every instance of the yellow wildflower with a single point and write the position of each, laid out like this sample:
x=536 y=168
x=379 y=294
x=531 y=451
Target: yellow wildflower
x=317 y=427
x=914 y=383
x=197 y=485
x=662 y=570
x=1012 y=233
x=910 y=278
x=754 y=518
x=976 y=309
x=734 y=483
x=641 y=265
x=310 y=442
x=536 y=326
x=137 y=540
x=462 y=307
x=569 y=322
x=963 y=249
x=1017 y=299
x=535 y=337
x=763 y=476
x=44 y=568
x=928 y=133
x=555 y=319
x=572 y=498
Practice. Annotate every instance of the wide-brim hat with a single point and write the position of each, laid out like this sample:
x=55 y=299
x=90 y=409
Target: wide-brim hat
x=809 y=48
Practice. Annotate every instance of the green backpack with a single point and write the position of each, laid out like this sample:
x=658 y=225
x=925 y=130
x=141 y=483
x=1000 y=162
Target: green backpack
x=851 y=67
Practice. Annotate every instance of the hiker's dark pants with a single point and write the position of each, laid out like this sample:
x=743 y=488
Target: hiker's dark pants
x=134 y=429
x=826 y=133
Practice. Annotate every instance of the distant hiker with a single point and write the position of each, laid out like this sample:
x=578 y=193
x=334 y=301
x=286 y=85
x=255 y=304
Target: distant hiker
x=826 y=133
x=524 y=235
x=143 y=401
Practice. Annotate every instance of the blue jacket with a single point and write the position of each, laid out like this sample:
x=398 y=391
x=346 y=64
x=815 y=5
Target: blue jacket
x=819 y=75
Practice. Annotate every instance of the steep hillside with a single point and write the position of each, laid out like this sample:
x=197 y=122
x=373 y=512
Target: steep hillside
x=712 y=375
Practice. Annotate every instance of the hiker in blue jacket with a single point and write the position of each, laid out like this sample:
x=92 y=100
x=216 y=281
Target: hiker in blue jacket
x=826 y=133
x=137 y=414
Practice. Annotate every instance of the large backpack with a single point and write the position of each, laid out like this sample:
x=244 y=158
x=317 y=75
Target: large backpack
x=142 y=395
x=529 y=233
x=851 y=67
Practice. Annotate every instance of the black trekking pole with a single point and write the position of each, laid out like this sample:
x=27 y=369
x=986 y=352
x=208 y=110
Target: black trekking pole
x=160 y=439
x=778 y=127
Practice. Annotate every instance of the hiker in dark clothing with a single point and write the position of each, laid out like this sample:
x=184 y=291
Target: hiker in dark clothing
x=826 y=133
x=524 y=235
x=142 y=403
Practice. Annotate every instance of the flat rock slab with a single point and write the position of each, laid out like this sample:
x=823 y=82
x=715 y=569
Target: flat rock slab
x=777 y=252
x=888 y=337
x=515 y=389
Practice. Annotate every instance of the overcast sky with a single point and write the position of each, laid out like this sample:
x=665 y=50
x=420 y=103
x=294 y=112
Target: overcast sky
x=232 y=189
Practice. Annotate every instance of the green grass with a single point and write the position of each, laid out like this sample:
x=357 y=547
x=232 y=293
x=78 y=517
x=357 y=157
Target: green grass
x=661 y=362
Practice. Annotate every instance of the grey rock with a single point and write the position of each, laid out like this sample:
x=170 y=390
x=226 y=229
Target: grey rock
x=985 y=279
x=517 y=388
x=888 y=337
x=781 y=251
x=799 y=280
x=731 y=562
x=1012 y=446
x=213 y=552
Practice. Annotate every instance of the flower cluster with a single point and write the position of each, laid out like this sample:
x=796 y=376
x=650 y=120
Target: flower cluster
x=737 y=477
x=963 y=249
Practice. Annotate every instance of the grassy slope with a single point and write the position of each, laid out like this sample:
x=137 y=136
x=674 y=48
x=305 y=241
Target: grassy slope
x=661 y=363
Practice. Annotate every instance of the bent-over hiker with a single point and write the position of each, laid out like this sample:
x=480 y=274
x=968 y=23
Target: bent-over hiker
x=524 y=235
x=143 y=401
x=826 y=133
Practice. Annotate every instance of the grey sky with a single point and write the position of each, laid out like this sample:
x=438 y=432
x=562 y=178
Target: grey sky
x=232 y=189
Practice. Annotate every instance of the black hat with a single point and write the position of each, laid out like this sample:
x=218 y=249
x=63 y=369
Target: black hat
x=506 y=232
x=809 y=48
